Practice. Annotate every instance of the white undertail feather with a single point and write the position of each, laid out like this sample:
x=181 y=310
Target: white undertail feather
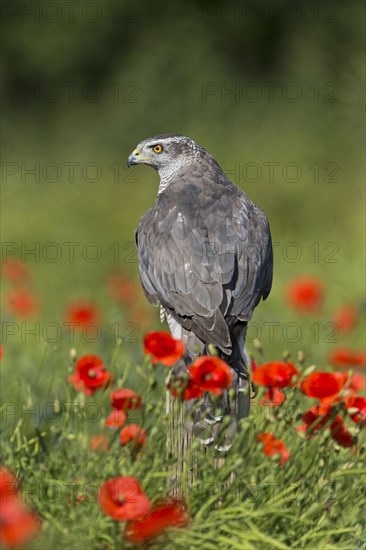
x=162 y=314
x=175 y=329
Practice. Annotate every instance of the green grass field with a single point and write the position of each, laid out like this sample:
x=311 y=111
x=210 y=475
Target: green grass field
x=70 y=208
x=314 y=501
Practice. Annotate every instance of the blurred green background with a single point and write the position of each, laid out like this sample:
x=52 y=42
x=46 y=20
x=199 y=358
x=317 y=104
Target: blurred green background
x=274 y=90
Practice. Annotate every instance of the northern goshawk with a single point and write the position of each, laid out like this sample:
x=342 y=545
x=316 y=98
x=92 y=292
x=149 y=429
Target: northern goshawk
x=205 y=257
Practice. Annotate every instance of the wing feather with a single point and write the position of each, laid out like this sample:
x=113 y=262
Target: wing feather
x=205 y=254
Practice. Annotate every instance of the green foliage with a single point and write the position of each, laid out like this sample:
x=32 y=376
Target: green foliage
x=152 y=72
x=249 y=501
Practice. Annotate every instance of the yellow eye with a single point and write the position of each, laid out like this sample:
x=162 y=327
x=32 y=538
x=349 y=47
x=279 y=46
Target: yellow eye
x=157 y=149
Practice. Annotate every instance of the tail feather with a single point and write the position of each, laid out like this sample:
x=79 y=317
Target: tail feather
x=214 y=420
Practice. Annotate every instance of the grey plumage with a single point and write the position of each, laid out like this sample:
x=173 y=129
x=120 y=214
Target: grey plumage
x=205 y=256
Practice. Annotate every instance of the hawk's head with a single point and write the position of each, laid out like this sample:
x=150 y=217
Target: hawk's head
x=165 y=152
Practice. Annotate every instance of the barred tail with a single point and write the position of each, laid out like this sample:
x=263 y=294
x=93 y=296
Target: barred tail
x=214 y=420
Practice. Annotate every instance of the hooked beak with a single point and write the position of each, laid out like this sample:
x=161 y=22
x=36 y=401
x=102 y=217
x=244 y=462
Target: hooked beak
x=133 y=158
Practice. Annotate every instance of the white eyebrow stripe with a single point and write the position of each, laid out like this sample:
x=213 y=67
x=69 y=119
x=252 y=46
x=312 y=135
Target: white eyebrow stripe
x=164 y=140
x=168 y=140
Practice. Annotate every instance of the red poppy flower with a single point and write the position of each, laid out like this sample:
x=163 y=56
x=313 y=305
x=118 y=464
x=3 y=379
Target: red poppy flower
x=162 y=516
x=323 y=385
x=265 y=437
x=276 y=374
x=90 y=375
x=185 y=389
x=99 y=442
x=22 y=303
x=133 y=433
x=357 y=402
x=163 y=348
x=316 y=418
x=125 y=399
x=325 y=404
x=122 y=289
x=8 y=487
x=277 y=447
x=18 y=525
x=272 y=398
x=306 y=294
x=358 y=382
x=354 y=383
x=116 y=419
x=1 y=352
x=82 y=313
x=15 y=271
x=345 y=357
x=345 y=318
x=123 y=499
x=211 y=374
x=340 y=434
x=273 y=446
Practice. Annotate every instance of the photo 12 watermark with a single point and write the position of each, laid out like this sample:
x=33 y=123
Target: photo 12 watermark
x=269 y=92
x=250 y=11
x=71 y=12
x=120 y=252
x=67 y=92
